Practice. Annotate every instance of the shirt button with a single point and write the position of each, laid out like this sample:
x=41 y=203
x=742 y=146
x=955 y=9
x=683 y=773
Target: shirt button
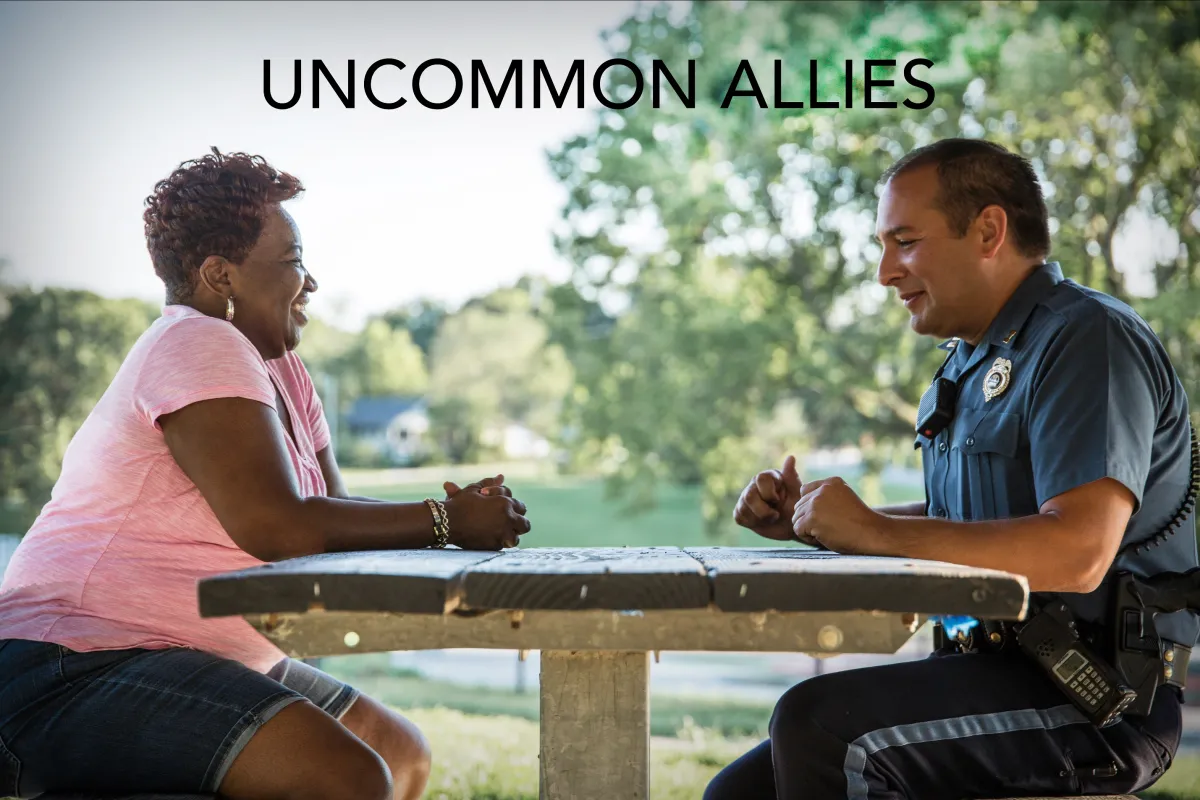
x=970 y=441
x=941 y=447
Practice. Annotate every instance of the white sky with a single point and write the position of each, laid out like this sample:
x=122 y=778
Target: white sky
x=100 y=100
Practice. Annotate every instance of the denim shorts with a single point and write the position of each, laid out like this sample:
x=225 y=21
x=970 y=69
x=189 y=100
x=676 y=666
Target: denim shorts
x=138 y=721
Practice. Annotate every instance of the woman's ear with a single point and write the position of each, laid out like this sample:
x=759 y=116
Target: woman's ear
x=215 y=276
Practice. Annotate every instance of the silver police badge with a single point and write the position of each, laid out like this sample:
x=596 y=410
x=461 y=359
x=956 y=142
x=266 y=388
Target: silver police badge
x=995 y=382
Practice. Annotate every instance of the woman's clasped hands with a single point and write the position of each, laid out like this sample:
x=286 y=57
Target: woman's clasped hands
x=484 y=515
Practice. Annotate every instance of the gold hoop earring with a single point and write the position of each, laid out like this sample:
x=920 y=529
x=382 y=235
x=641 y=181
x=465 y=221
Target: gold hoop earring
x=229 y=309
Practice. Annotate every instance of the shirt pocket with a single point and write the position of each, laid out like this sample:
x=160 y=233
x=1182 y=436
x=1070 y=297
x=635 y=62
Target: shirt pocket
x=985 y=446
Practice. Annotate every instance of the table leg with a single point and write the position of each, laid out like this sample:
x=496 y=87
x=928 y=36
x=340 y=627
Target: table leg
x=595 y=725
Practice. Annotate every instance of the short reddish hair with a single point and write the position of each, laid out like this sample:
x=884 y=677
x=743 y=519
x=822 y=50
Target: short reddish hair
x=215 y=205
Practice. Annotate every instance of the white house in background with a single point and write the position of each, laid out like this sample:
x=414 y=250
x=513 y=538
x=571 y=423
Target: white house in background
x=394 y=427
x=397 y=428
x=517 y=442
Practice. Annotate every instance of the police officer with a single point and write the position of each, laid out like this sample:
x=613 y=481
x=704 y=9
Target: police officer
x=1068 y=443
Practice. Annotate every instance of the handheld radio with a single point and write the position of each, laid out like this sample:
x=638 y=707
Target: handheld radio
x=1051 y=639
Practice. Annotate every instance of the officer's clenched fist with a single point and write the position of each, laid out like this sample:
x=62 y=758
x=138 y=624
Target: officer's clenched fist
x=830 y=515
x=768 y=502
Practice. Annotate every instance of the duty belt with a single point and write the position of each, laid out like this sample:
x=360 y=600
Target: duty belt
x=993 y=636
x=1175 y=663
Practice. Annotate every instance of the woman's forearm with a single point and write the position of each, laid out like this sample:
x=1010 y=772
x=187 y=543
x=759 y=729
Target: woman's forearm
x=332 y=525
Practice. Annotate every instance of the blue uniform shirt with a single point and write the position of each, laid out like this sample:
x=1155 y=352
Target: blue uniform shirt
x=1089 y=393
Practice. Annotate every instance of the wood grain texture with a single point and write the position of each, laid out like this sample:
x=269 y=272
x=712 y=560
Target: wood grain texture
x=594 y=725
x=650 y=579
x=794 y=579
x=825 y=632
x=588 y=577
x=412 y=581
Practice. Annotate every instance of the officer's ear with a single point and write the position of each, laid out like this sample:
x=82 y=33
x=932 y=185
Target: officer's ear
x=992 y=224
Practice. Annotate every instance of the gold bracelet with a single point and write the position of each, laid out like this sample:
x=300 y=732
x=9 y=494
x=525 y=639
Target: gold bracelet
x=441 y=522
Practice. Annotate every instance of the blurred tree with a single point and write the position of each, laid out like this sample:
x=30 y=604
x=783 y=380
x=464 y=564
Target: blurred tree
x=490 y=365
x=383 y=360
x=1104 y=97
x=5 y=288
x=728 y=250
x=378 y=360
x=421 y=318
x=61 y=349
x=323 y=346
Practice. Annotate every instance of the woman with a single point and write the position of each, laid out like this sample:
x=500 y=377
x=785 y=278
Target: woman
x=208 y=453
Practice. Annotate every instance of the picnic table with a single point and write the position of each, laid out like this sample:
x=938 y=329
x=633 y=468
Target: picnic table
x=596 y=615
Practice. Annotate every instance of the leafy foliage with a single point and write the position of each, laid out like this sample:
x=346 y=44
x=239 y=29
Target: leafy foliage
x=729 y=248
x=384 y=361
x=421 y=319
x=61 y=349
x=722 y=309
x=491 y=365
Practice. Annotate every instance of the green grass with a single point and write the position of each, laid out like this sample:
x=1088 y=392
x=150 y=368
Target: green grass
x=490 y=735
x=669 y=714
x=495 y=758
x=565 y=512
x=576 y=513
x=1182 y=781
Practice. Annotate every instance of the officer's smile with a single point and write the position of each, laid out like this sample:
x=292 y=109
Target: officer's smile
x=910 y=300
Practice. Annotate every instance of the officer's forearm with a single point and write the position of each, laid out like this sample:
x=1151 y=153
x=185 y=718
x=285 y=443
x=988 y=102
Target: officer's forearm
x=1022 y=546
x=916 y=509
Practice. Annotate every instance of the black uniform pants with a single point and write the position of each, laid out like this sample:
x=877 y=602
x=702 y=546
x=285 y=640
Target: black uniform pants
x=952 y=726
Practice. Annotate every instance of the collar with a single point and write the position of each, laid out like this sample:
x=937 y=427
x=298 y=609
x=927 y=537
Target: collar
x=1006 y=327
x=179 y=310
x=1005 y=330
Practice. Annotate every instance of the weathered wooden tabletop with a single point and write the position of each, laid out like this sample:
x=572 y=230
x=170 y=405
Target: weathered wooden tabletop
x=597 y=614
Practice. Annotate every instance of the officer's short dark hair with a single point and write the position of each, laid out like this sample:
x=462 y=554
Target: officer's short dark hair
x=974 y=174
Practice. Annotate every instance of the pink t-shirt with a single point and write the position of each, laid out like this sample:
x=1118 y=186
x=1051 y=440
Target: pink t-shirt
x=113 y=560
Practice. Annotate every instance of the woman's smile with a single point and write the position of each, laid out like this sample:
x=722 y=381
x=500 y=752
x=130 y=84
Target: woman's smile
x=298 y=312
